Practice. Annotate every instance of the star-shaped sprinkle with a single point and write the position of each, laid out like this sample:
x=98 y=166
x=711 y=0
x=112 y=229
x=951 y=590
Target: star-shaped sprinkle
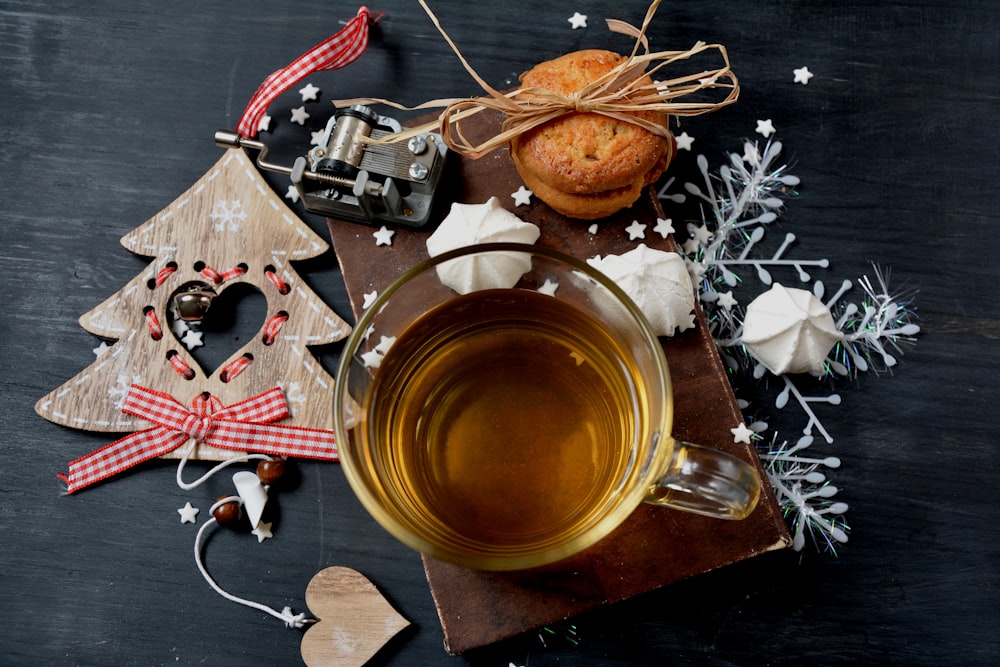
x=578 y=20
x=750 y=153
x=765 y=127
x=265 y=124
x=522 y=197
x=684 y=141
x=372 y=359
x=701 y=234
x=192 y=339
x=299 y=115
x=727 y=300
x=696 y=270
x=188 y=514
x=636 y=231
x=369 y=299
x=549 y=287
x=292 y=193
x=383 y=236
x=593 y=228
x=664 y=227
x=262 y=531
x=101 y=349
x=310 y=92
x=179 y=327
x=690 y=246
x=384 y=343
x=741 y=433
x=316 y=138
x=802 y=75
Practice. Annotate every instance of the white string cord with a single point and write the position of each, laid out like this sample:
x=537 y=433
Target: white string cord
x=187 y=486
x=291 y=620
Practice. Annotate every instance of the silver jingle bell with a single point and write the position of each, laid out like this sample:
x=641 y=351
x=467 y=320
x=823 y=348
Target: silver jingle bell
x=193 y=303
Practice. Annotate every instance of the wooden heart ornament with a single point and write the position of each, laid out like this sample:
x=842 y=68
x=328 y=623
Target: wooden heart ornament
x=355 y=621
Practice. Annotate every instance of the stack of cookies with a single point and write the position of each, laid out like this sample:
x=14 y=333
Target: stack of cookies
x=586 y=165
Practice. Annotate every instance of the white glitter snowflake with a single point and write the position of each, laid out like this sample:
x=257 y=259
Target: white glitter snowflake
x=739 y=202
x=294 y=395
x=227 y=215
x=119 y=391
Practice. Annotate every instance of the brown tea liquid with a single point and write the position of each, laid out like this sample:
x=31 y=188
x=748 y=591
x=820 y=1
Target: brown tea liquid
x=505 y=419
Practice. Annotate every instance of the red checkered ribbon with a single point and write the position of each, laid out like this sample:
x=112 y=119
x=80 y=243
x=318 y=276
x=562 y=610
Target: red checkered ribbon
x=243 y=426
x=335 y=52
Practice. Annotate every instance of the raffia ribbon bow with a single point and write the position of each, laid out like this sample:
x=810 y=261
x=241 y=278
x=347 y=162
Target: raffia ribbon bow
x=243 y=426
x=618 y=94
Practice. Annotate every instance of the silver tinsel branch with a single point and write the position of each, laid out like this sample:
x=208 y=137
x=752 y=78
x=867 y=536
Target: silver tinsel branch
x=739 y=202
x=876 y=330
x=805 y=495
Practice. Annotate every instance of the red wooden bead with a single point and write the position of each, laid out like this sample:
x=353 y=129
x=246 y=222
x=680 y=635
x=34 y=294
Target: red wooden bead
x=227 y=512
x=270 y=470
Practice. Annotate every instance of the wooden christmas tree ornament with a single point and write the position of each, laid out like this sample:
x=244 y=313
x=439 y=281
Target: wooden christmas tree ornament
x=228 y=229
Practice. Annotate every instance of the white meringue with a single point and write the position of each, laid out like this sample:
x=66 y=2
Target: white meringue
x=472 y=224
x=658 y=282
x=789 y=331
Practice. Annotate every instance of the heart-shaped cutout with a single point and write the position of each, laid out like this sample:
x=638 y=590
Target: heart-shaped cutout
x=235 y=316
x=355 y=621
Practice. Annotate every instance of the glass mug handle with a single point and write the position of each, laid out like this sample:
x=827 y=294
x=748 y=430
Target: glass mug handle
x=708 y=482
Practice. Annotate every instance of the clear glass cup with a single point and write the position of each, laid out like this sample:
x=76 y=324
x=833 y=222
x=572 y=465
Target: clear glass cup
x=504 y=406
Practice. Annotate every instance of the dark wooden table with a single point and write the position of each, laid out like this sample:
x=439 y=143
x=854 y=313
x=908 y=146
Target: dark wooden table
x=108 y=111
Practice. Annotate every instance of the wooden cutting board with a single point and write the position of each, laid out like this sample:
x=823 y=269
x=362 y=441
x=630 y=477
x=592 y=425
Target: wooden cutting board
x=655 y=546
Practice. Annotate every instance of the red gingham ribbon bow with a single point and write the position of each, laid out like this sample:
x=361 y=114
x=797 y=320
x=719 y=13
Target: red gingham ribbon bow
x=336 y=51
x=243 y=426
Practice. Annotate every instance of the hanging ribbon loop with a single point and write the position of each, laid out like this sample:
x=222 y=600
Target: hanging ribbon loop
x=243 y=426
x=336 y=51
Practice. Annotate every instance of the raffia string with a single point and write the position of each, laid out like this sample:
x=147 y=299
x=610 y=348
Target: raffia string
x=618 y=94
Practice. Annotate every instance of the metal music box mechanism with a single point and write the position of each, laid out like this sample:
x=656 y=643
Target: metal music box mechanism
x=351 y=174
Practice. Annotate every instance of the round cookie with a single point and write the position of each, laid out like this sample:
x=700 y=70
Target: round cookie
x=584 y=152
x=591 y=206
x=586 y=206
